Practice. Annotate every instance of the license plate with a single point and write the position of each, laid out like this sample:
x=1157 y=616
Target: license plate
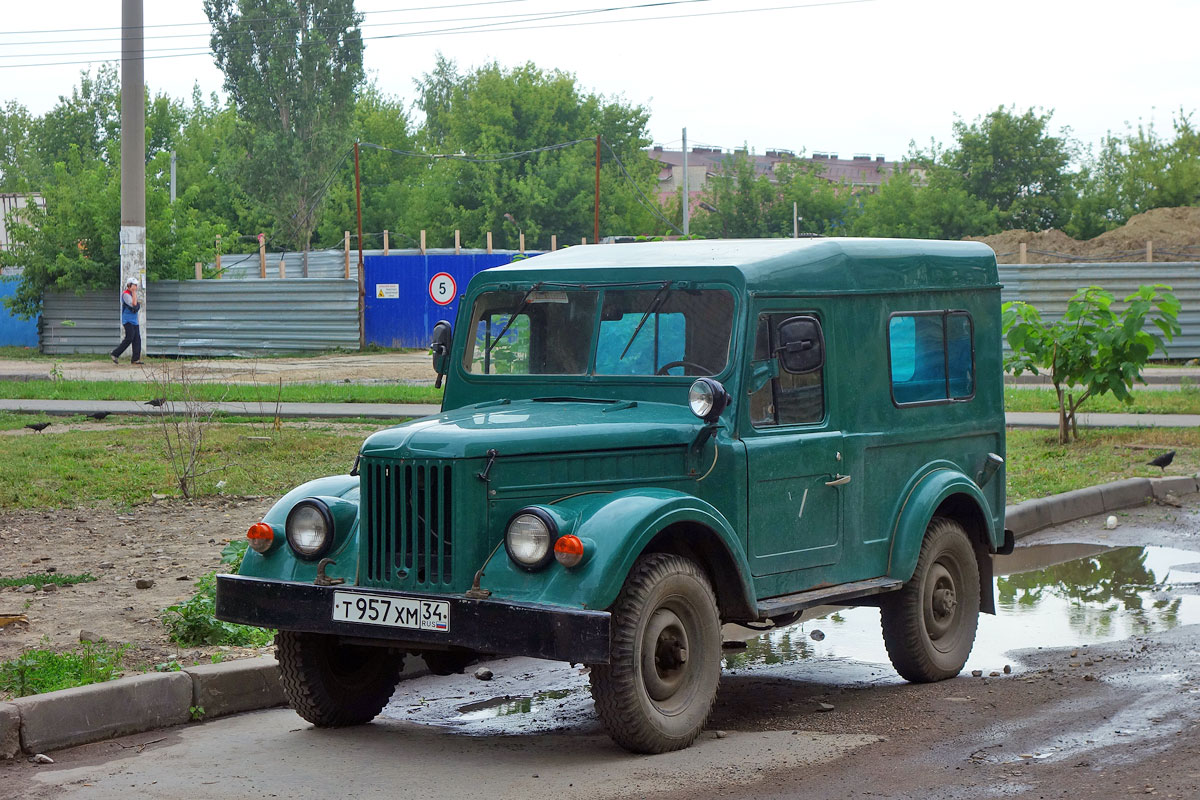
x=392 y=611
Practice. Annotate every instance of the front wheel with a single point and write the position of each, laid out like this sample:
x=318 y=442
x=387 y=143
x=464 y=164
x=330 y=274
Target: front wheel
x=929 y=625
x=657 y=690
x=333 y=685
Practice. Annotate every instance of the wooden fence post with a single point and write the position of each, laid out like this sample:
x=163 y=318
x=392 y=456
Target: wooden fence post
x=346 y=239
x=422 y=242
x=457 y=242
x=262 y=255
x=1023 y=256
x=385 y=243
x=583 y=240
x=218 y=255
x=199 y=270
x=553 y=242
x=282 y=267
x=489 y=241
x=1149 y=251
x=521 y=241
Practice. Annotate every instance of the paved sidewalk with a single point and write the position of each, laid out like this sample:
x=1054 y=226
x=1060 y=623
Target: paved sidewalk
x=397 y=411
x=247 y=409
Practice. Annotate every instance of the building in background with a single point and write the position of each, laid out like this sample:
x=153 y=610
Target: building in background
x=861 y=173
x=11 y=203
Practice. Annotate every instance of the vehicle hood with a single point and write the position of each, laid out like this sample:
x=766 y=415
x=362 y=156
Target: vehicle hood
x=536 y=426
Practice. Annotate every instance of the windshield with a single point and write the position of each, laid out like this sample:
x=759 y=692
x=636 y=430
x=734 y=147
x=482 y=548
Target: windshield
x=660 y=330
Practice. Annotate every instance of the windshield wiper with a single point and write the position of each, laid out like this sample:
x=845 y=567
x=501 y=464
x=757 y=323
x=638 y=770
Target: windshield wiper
x=512 y=317
x=655 y=303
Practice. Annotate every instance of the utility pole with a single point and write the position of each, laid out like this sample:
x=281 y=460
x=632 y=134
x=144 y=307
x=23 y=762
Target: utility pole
x=172 y=177
x=362 y=331
x=596 y=219
x=686 y=198
x=133 y=155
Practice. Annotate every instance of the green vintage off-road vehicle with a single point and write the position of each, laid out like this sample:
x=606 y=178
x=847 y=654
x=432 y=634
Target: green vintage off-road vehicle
x=641 y=442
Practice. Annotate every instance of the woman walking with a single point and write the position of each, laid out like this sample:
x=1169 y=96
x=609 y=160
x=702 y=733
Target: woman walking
x=129 y=321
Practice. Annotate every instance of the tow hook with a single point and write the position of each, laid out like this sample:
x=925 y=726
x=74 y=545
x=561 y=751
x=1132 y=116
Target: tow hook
x=324 y=580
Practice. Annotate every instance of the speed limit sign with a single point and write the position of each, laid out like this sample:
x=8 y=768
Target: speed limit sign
x=442 y=288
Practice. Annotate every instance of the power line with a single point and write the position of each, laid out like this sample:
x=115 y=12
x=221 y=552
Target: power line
x=645 y=201
x=478 y=158
x=497 y=27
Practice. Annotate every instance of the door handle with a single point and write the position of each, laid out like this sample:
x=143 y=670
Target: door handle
x=839 y=480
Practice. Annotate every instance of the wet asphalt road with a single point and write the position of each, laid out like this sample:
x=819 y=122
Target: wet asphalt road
x=1115 y=713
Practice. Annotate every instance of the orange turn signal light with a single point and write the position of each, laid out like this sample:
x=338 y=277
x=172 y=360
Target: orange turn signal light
x=568 y=550
x=261 y=536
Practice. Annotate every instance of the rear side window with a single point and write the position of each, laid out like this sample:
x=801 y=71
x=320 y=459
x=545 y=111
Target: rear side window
x=932 y=357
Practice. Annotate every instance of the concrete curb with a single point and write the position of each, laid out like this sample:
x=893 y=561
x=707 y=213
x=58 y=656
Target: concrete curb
x=1033 y=515
x=131 y=705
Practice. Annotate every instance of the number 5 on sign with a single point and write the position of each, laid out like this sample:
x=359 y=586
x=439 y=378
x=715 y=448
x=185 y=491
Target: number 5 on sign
x=442 y=288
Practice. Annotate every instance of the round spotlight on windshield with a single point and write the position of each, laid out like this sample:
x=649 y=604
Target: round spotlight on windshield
x=707 y=398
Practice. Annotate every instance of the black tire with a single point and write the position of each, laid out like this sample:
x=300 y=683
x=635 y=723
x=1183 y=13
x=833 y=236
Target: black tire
x=929 y=625
x=658 y=689
x=334 y=685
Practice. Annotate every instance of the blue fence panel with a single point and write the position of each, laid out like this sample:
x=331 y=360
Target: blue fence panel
x=14 y=331
x=399 y=310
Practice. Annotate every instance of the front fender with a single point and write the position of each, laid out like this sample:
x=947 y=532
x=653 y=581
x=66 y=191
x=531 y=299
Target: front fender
x=922 y=499
x=280 y=563
x=621 y=524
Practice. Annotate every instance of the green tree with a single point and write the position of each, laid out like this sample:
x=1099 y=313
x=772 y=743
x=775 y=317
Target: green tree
x=934 y=207
x=87 y=121
x=291 y=68
x=741 y=202
x=491 y=111
x=1093 y=349
x=20 y=167
x=1012 y=163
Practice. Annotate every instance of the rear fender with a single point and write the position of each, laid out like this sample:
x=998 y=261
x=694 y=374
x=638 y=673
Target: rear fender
x=622 y=525
x=943 y=487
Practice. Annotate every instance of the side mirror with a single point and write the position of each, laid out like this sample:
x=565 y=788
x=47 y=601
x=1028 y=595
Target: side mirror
x=801 y=346
x=443 y=335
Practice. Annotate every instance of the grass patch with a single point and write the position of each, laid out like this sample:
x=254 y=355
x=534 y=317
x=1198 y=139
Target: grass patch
x=38 y=671
x=231 y=393
x=193 y=622
x=42 y=578
x=1185 y=400
x=126 y=465
x=1038 y=466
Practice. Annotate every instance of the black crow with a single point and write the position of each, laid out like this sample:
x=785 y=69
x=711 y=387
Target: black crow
x=156 y=402
x=1163 y=461
x=99 y=415
x=38 y=426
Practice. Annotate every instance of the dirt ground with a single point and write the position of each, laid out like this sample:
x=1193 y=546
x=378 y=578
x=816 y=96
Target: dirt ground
x=170 y=542
x=1175 y=233
x=405 y=367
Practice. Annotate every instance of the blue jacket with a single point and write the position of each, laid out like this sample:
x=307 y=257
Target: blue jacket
x=129 y=309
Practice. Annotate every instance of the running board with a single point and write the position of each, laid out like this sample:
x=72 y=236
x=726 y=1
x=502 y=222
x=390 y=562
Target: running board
x=826 y=595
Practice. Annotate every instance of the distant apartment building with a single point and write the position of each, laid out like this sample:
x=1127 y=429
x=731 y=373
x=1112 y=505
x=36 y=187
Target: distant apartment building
x=10 y=203
x=862 y=172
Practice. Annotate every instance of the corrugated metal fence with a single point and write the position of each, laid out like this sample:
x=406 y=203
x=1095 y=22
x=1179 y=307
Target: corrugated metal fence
x=212 y=318
x=231 y=317
x=1048 y=287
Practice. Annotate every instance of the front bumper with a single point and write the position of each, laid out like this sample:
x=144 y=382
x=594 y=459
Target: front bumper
x=496 y=627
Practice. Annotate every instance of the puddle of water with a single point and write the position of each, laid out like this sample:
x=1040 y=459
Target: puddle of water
x=509 y=705
x=1046 y=596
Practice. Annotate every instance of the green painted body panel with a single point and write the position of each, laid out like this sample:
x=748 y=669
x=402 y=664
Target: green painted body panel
x=610 y=456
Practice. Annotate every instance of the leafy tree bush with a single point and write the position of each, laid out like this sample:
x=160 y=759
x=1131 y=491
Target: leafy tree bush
x=193 y=622
x=1093 y=349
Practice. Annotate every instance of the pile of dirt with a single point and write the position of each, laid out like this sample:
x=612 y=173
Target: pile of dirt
x=1175 y=233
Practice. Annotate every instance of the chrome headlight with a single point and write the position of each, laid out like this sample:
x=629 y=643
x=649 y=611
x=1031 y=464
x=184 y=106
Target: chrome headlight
x=310 y=528
x=707 y=398
x=530 y=537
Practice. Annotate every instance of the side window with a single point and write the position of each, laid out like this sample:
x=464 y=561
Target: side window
x=789 y=399
x=932 y=357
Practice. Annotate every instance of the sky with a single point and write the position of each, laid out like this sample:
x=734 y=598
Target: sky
x=841 y=76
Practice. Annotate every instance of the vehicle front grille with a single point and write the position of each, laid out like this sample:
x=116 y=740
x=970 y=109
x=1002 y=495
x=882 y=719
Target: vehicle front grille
x=409 y=523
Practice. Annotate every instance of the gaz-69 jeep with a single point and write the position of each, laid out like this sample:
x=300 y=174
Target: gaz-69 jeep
x=641 y=442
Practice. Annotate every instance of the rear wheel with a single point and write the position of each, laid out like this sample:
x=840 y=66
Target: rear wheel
x=929 y=625
x=334 y=685
x=658 y=689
